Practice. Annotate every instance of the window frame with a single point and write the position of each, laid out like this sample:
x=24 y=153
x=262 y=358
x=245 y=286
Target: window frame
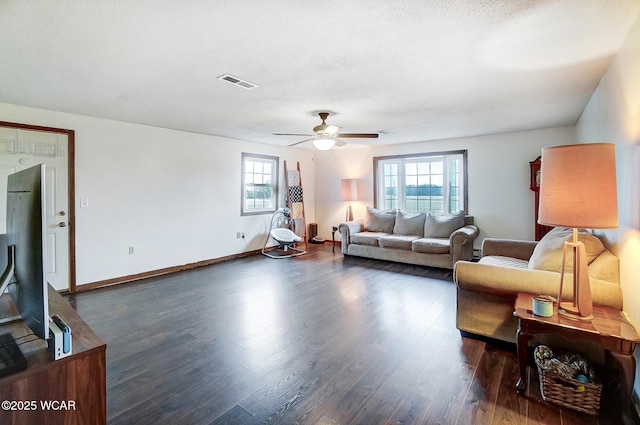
x=403 y=159
x=275 y=162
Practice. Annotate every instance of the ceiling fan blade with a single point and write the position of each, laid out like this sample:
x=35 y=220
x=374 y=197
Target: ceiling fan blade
x=302 y=141
x=292 y=134
x=358 y=135
x=328 y=131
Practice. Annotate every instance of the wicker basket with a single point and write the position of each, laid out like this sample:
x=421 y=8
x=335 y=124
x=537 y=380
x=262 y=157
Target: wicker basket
x=569 y=392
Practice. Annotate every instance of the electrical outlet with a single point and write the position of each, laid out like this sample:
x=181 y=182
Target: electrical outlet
x=131 y=250
x=84 y=203
x=242 y=235
x=239 y=235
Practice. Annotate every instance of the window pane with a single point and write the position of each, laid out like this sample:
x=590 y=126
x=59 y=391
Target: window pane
x=388 y=185
x=260 y=184
x=430 y=182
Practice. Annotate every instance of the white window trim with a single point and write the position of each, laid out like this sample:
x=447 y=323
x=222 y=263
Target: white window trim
x=275 y=161
x=403 y=159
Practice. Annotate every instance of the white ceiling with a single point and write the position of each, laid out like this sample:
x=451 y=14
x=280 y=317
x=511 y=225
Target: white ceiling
x=417 y=69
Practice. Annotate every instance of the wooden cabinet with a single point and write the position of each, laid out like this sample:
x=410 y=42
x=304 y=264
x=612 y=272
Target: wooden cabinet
x=534 y=185
x=68 y=391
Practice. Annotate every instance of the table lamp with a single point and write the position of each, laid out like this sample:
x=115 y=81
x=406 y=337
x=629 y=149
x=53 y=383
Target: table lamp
x=578 y=190
x=349 y=192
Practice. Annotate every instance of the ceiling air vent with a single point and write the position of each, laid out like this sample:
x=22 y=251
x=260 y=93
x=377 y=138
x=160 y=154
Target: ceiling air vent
x=237 y=81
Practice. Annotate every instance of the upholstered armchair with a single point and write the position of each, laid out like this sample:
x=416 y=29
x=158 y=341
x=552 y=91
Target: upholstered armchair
x=486 y=290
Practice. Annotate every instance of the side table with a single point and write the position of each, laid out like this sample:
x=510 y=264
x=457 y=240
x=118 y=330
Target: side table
x=608 y=329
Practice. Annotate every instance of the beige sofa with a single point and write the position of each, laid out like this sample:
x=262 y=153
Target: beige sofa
x=486 y=290
x=426 y=239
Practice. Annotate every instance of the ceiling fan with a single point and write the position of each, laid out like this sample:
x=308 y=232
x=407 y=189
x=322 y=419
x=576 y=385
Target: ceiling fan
x=327 y=135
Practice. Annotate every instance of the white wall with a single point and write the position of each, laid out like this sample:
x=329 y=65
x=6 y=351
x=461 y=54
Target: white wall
x=498 y=174
x=613 y=115
x=174 y=196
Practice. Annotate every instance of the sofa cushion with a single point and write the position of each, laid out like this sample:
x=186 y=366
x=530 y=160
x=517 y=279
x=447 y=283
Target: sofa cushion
x=397 y=241
x=376 y=220
x=547 y=254
x=442 y=225
x=498 y=260
x=367 y=238
x=431 y=245
x=409 y=224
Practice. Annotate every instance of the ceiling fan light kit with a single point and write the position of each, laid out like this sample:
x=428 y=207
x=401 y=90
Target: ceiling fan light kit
x=326 y=135
x=324 y=144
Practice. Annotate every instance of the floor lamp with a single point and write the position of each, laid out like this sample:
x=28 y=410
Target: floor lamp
x=349 y=192
x=578 y=190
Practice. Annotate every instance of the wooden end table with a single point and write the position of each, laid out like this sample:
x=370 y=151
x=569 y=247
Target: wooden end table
x=608 y=329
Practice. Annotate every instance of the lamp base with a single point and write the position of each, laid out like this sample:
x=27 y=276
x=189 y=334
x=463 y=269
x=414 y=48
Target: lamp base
x=349 y=216
x=580 y=308
x=567 y=309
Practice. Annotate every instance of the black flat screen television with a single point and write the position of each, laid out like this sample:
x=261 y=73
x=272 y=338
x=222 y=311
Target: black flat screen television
x=25 y=274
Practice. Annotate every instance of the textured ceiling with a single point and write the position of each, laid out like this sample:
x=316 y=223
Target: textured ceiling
x=418 y=70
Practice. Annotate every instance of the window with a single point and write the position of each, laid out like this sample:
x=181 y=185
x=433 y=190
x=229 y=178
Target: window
x=422 y=182
x=259 y=184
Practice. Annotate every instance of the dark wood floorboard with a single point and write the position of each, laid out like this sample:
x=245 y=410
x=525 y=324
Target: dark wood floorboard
x=317 y=339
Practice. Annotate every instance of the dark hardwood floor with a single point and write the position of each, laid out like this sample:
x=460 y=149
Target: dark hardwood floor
x=317 y=339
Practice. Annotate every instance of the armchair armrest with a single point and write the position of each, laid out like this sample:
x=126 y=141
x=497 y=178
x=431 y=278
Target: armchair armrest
x=508 y=281
x=346 y=230
x=504 y=280
x=522 y=250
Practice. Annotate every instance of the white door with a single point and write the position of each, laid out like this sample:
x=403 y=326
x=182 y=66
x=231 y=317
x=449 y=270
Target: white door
x=21 y=149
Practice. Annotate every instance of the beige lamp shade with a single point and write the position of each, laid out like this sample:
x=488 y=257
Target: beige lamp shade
x=349 y=189
x=578 y=186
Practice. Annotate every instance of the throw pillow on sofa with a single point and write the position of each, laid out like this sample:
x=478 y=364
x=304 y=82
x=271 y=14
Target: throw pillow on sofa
x=376 y=220
x=409 y=224
x=443 y=225
x=547 y=255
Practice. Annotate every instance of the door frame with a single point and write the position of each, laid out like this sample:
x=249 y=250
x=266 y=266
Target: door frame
x=71 y=208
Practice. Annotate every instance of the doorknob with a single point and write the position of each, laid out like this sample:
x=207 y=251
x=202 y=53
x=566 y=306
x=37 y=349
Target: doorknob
x=62 y=224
